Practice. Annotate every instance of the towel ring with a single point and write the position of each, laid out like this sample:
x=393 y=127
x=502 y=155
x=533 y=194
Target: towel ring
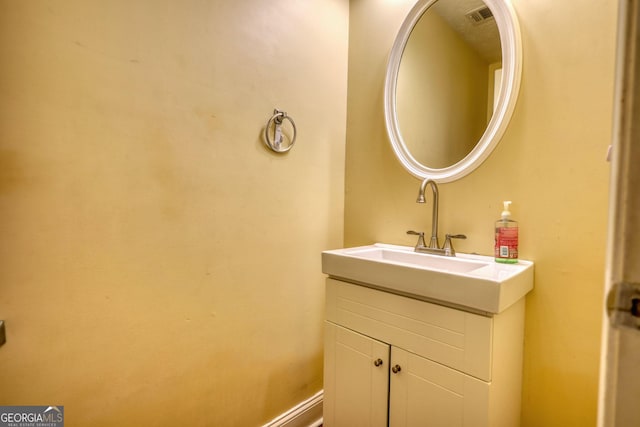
x=276 y=120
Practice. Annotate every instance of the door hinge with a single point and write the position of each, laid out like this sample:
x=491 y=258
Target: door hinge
x=623 y=305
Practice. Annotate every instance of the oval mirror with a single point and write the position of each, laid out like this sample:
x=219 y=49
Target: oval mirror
x=452 y=81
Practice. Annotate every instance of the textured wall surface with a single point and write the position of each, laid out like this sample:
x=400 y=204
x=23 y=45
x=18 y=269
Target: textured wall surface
x=158 y=266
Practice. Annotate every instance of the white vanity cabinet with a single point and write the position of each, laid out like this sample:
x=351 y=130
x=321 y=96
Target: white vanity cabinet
x=398 y=361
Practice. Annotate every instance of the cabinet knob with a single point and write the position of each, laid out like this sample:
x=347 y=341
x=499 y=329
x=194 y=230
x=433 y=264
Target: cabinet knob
x=396 y=369
x=377 y=362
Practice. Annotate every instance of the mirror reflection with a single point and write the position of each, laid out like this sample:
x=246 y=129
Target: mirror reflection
x=448 y=80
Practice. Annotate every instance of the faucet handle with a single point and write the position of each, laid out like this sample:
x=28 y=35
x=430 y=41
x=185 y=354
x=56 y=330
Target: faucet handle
x=455 y=236
x=420 y=235
x=448 y=246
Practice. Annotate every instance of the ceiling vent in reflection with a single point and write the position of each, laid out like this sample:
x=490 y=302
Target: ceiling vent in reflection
x=481 y=15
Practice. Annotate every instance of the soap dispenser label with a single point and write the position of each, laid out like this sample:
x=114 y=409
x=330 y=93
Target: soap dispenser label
x=506 y=242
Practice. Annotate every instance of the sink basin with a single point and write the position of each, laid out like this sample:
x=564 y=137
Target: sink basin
x=401 y=255
x=475 y=282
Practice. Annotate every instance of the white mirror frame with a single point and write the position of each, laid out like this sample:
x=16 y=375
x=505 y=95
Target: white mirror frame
x=511 y=44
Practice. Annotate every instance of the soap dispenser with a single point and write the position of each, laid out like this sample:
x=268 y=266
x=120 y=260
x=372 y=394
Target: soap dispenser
x=506 y=245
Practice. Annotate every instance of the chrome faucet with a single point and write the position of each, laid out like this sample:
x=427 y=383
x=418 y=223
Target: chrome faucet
x=434 y=245
x=433 y=242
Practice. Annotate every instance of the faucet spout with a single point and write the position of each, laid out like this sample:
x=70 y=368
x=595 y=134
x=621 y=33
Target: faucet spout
x=433 y=243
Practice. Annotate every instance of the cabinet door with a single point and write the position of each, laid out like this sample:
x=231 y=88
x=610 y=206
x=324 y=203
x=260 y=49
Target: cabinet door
x=356 y=379
x=425 y=393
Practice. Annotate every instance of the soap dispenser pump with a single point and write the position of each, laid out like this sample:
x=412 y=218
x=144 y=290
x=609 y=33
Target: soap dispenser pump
x=506 y=244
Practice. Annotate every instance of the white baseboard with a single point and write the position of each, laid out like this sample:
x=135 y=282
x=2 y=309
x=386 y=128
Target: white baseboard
x=305 y=414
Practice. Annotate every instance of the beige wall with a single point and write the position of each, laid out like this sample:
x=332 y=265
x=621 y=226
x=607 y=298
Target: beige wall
x=158 y=266
x=550 y=163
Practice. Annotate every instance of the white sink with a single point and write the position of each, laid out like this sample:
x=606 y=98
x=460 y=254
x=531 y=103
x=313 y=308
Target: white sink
x=473 y=281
